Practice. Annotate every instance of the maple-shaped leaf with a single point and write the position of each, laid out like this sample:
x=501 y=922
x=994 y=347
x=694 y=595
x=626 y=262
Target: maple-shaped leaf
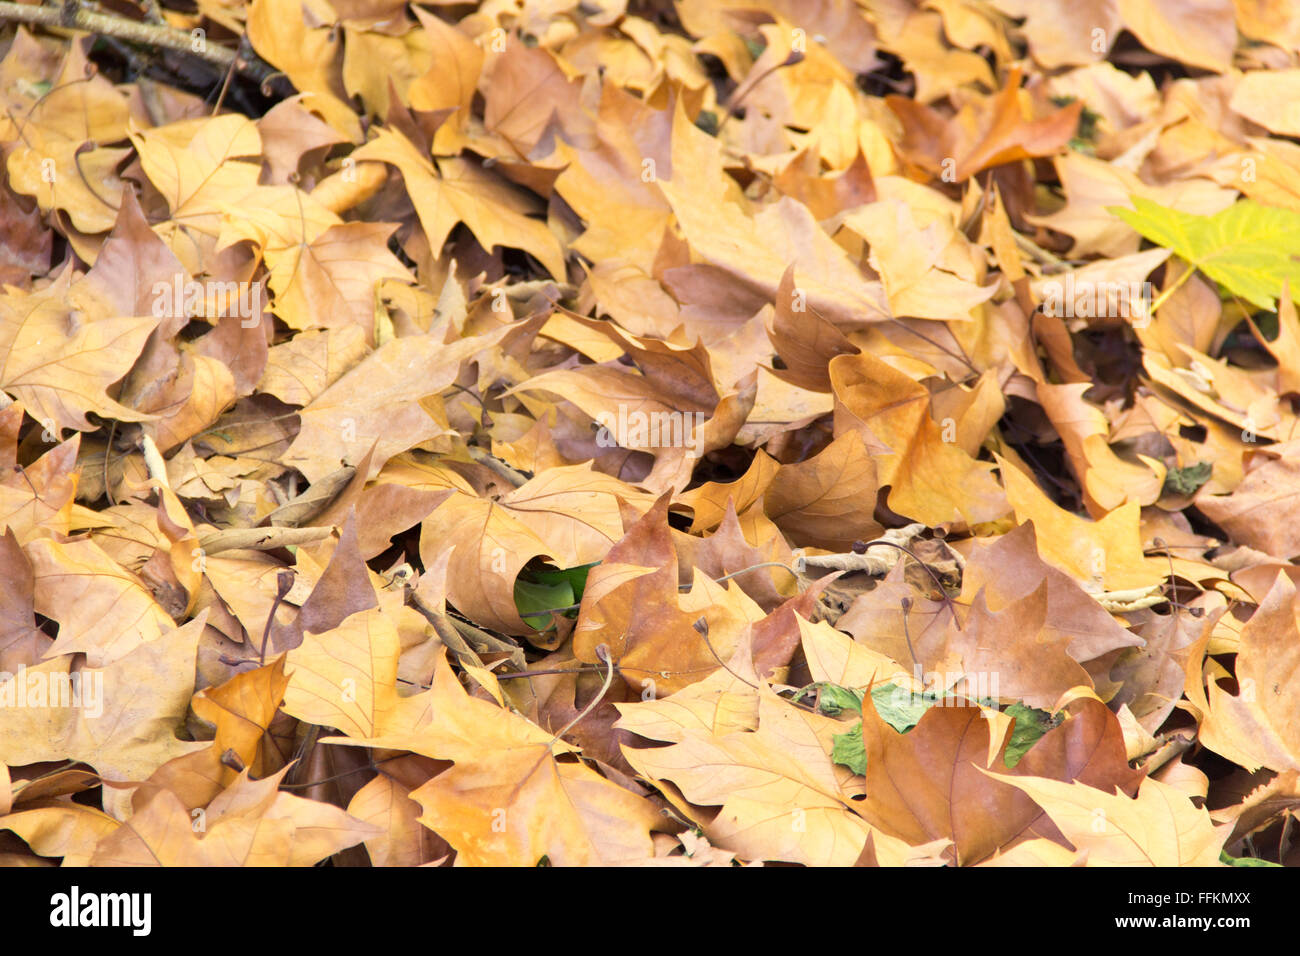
x=1108 y=480
x=625 y=216
x=59 y=362
x=38 y=498
x=295 y=37
x=508 y=801
x=342 y=589
x=1259 y=512
x=347 y=678
x=1161 y=827
x=569 y=514
x=450 y=83
x=380 y=403
x=915 y=262
x=711 y=500
x=1154 y=677
x=1107 y=552
x=1249 y=248
x=780 y=795
x=130 y=265
x=54 y=142
x=727 y=552
x=1220 y=388
x=67 y=830
x=103 y=610
x=198 y=166
x=833 y=658
x=1013 y=643
x=129 y=711
x=724 y=702
x=981 y=136
x=1260 y=725
x=631 y=605
x=448 y=191
x=1009 y=568
x=251 y=823
x=933 y=480
x=805 y=341
x=928 y=783
x=755 y=249
x=820 y=501
x=322 y=270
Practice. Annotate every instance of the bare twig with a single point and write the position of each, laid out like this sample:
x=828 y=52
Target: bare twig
x=489 y=460
x=463 y=639
x=260 y=539
x=602 y=651
x=70 y=15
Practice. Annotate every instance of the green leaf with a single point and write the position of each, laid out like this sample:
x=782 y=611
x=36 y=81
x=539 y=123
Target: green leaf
x=539 y=589
x=900 y=709
x=897 y=707
x=835 y=699
x=531 y=597
x=1030 y=724
x=1247 y=248
x=848 y=750
x=903 y=710
x=1085 y=137
x=1185 y=481
x=576 y=578
x=1244 y=860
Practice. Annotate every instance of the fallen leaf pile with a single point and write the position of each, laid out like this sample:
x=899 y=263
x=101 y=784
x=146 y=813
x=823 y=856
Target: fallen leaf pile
x=695 y=433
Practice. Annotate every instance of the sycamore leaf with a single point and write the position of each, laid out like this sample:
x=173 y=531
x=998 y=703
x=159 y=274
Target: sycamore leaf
x=123 y=733
x=933 y=480
x=347 y=678
x=104 y=611
x=251 y=823
x=1260 y=725
x=389 y=398
x=508 y=801
x=1161 y=827
x=781 y=797
x=51 y=132
x=59 y=362
x=449 y=191
x=931 y=783
x=69 y=830
x=1249 y=248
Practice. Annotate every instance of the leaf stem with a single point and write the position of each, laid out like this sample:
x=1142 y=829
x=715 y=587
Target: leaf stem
x=1178 y=284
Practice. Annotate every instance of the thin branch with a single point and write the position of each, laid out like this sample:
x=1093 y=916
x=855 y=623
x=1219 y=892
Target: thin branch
x=602 y=651
x=71 y=16
x=516 y=478
x=464 y=639
x=329 y=779
x=261 y=539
